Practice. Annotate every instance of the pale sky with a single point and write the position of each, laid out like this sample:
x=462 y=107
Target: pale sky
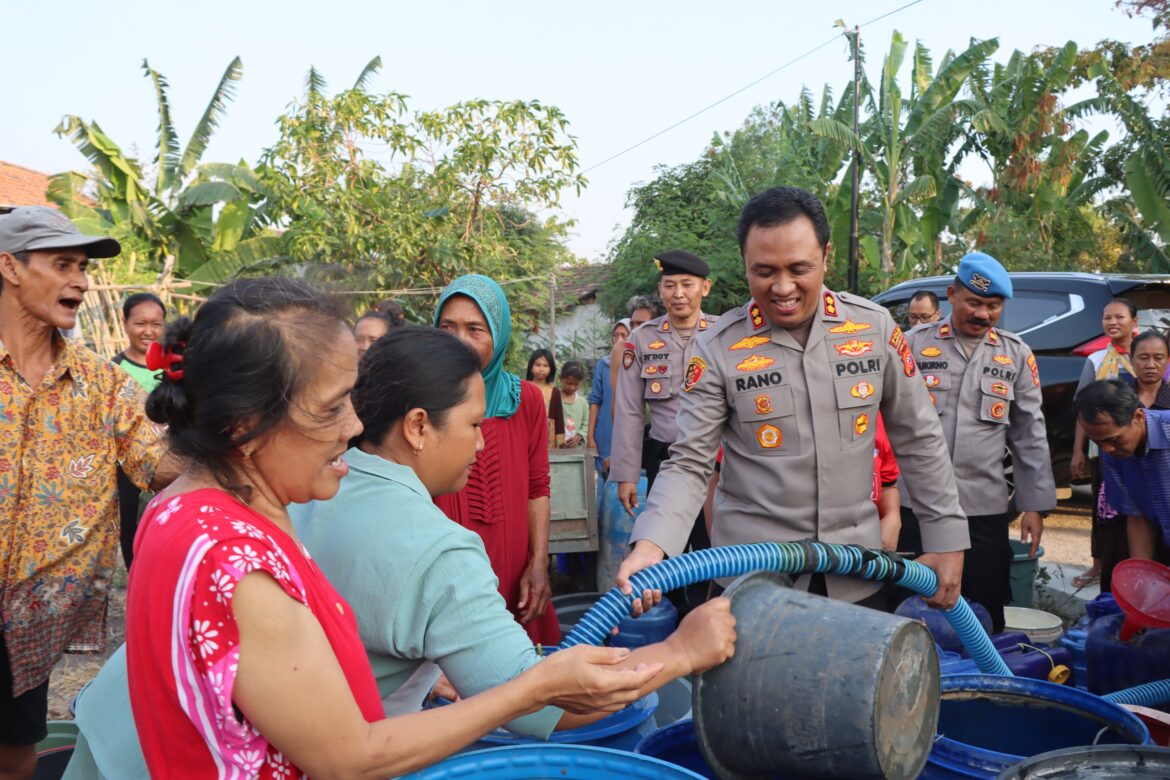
x=621 y=71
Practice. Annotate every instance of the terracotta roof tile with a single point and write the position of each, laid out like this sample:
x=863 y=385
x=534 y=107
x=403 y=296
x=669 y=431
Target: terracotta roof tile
x=20 y=186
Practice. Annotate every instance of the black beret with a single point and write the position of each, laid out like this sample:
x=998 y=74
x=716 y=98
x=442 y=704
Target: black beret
x=680 y=261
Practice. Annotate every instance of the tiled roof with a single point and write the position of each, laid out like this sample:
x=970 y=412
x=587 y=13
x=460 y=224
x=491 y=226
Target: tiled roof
x=21 y=186
x=580 y=283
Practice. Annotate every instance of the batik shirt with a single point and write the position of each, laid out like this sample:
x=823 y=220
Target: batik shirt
x=60 y=444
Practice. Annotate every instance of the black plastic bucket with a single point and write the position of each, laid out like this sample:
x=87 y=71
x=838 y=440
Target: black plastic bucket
x=1104 y=762
x=817 y=689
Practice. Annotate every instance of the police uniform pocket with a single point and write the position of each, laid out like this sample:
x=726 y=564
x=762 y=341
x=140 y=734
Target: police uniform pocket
x=767 y=420
x=857 y=404
x=656 y=380
x=996 y=397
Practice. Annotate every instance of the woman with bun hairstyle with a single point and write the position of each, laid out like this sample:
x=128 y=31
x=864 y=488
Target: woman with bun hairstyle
x=243 y=661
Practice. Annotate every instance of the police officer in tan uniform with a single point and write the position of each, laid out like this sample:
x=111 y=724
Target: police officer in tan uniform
x=651 y=371
x=792 y=383
x=986 y=389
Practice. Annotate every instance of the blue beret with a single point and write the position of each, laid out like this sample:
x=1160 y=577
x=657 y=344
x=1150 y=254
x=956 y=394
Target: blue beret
x=680 y=261
x=983 y=275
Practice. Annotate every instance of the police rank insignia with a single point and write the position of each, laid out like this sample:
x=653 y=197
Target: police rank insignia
x=830 y=304
x=861 y=390
x=695 y=369
x=944 y=330
x=702 y=324
x=849 y=327
x=656 y=345
x=992 y=337
x=998 y=410
x=1003 y=360
x=750 y=342
x=861 y=424
x=999 y=388
x=655 y=387
x=665 y=326
x=628 y=355
x=1034 y=369
x=930 y=352
x=763 y=404
x=756 y=315
x=754 y=363
x=769 y=436
x=854 y=348
x=932 y=381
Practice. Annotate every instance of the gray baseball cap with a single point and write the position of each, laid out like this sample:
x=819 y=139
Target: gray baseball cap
x=32 y=228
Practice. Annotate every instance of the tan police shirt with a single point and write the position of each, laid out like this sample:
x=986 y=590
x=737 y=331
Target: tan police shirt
x=797 y=425
x=651 y=372
x=986 y=402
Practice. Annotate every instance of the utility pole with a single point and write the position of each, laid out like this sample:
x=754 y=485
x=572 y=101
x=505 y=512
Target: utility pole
x=856 y=173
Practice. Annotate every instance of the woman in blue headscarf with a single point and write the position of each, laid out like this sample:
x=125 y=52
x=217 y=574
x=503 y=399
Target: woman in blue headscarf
x=506 y=500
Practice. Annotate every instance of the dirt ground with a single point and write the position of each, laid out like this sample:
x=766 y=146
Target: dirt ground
x=1065 y=542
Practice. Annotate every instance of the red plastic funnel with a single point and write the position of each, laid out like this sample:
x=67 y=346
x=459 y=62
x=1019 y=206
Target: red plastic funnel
x=1142 y=590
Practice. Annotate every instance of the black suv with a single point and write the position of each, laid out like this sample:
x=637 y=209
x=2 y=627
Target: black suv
x=1059 y=316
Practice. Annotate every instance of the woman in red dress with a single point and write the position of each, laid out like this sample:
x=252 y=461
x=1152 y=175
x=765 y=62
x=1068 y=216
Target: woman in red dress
x=243 y=661
x=506 y=500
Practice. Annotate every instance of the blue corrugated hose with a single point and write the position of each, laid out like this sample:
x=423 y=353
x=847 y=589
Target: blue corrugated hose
x=1153 y=694
x=804 y=557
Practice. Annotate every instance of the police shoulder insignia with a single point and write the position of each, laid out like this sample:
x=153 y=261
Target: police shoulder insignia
x=695 y=369
x=750 y=342
x=849 y=327
x=702 y=324
x=769 y=436
x=992 y=337
x=754 y=363
x=628 y=355
x=896 y=338
x=1034 y=369
x=757 y=316
x=656 y=345
x=665 y=326
x=944 y=330
x=909 y=367
x=930 y=352
x=830 y=304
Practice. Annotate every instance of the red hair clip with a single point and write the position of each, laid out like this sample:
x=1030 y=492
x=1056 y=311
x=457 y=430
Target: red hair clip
x=159 y=358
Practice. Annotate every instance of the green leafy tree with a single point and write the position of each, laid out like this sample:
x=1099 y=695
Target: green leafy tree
x=202 y=219
x=409 y=199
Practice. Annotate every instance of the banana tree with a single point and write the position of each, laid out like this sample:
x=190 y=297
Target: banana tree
x=903 y=144
x=208 y=218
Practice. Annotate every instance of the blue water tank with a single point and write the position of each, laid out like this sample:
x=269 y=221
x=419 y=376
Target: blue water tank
x=1113 y=664
x=653 y=626
x=1074 y=641
x=936 y=621
x=565 y=762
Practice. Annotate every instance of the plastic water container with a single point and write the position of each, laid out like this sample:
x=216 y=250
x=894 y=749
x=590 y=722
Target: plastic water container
x=1093 y=763
x=936 y=621
x=652 y=626
x=677 y=745
x=570 y=607
x=989 y=723
x=1040 y=662
x=563 y=762
x=1074 y=641
x=1023 y=572
x=1042 y=627
x=55 y=750
x=1101 y=605
x=614 y=526
x=1114 y=665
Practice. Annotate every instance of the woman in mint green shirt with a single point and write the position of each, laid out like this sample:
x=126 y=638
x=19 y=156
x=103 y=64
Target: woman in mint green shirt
x=420 y=585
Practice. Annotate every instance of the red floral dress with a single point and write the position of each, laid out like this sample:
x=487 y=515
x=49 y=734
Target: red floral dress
x=183 y=642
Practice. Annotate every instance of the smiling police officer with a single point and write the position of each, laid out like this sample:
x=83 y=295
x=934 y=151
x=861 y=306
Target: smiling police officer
x=792 y=383
x=986 y=388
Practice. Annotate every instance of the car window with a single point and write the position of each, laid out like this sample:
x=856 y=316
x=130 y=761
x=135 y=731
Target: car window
x=1030 y=308
x=1153 y=307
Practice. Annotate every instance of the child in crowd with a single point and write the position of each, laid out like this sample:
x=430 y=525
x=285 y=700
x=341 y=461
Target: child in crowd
x=576 y=406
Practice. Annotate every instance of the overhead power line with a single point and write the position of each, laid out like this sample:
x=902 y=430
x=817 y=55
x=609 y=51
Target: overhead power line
x=742 y=89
